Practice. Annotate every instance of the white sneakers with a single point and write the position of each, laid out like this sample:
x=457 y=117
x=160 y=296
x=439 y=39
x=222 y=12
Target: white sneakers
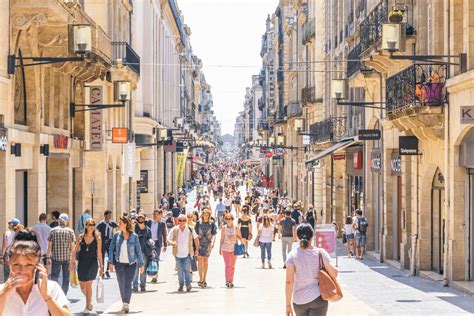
x=125 y=308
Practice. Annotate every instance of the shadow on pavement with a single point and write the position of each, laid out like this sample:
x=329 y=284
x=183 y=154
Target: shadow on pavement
x=448 y=294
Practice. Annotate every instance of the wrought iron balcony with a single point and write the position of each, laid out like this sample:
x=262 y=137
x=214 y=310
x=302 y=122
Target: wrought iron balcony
x=308 y=95
x=415 y=87
x=261 y=104
x=353 y=66
x=328 y=130
x=309 y=31
x=281 y=116
x=263 y=126
x=125 y=52
x=371 y=27
x=294 y=109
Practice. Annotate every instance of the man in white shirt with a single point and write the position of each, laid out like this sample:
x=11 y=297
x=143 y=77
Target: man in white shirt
x=42 y=231
x=228 y=203
x=185 y=244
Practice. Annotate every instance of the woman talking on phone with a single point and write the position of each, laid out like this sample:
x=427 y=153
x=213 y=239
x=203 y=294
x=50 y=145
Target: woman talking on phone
x=27 y=291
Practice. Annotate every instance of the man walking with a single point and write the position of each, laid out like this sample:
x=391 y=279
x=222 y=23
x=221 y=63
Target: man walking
x=42 y=231
x=82 y=220
x=220 y=208
x=144 y=235
x=106 y=229
x=360 y=225
x=287 y=234
x=185 y=244
x=158 y=234
x=55 y=219
x=61 y=243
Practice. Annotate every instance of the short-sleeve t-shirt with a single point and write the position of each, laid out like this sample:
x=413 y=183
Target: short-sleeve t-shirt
x=306 y=263
x=287 y=225
x=36 y=305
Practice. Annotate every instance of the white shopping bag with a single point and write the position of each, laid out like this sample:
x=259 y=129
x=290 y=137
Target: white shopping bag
x=100 y=290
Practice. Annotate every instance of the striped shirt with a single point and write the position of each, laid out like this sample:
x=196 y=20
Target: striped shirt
x=306 y=263
x=61 y=239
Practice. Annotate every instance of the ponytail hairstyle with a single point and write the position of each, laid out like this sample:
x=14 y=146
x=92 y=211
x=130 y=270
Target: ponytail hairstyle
x=305 y=234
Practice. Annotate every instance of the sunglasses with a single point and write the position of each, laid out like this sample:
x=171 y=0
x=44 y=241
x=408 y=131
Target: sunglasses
x=182 y=220
x=90 y=225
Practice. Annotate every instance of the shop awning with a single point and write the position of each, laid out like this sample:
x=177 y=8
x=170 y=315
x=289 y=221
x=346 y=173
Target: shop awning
x=344 y=143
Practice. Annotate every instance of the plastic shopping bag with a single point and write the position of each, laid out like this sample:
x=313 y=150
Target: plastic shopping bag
x=74 y=279
x=100 y=291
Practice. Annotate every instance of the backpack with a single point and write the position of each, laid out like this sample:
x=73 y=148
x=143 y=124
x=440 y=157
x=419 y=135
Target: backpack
x=362 y=225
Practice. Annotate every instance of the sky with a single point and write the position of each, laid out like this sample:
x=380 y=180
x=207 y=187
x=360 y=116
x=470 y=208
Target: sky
x=227 y=33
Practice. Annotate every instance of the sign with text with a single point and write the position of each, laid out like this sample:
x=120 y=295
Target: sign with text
x=467 y=114
x=306 y=140
x=396 y=165
x=143 y=183
x=119 y=135
x=170 y=148
x=369 y=134
x=279 y=151
x=3 y=139
x=129 y=156
x=376 y=160
x=339 y=156
x=408 y=145
x=96 y=119
x=325 y=237
x=268 y=154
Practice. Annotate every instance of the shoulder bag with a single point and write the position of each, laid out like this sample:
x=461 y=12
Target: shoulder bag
x=329 y=288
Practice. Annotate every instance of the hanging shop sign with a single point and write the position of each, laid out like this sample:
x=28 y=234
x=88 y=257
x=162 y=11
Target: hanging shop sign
x=60 y=141
x=408 y=145
x=467 y=114
x=170 y=148
x=376 y=161
x=129 y=156
x=369 y=134
x=279 y=151
x=306 y=140
x=119 y=135
x=396 y=165
x=96 y=119
x=317 y=164
x=268 y=154
x=3 y=139
x=142 y=184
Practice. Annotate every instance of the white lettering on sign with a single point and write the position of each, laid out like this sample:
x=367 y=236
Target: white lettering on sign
x=96 y=119
x=129 y=156
x=467 y=114
x=3 y=143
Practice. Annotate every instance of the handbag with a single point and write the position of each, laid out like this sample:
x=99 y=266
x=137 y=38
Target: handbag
x=74 y=279
x=329 y=288
x=239 y=249
x=99 y=293
x=256 y=243
x=152 y=269
x=194 y=266
x=344 y=238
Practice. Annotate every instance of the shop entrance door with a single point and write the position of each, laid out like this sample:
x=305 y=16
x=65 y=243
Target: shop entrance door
x=437 y=223
x=21 y=196
x=470 y=223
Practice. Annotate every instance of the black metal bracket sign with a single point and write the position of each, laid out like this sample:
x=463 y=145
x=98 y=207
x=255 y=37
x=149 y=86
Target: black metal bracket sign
x=369 y=134
x=408 y=146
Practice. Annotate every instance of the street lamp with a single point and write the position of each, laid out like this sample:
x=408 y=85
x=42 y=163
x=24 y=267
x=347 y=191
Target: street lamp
x=122 y=91
x=162 y=134
x=339 y=89
x=80 y=35
x=299 y=122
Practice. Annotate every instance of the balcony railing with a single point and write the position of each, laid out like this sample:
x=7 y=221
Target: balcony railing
x=415 y=87
x=122 y=50
x=371 y=27
x=263 y=126
x=308 y=95
x=352 y=65
x=281 y=116
x=328 y=130
x=294 y=109
x=309 y=31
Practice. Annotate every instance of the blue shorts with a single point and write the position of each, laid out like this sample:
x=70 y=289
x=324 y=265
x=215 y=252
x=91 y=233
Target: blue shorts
x=361 y=240
x=349 y=236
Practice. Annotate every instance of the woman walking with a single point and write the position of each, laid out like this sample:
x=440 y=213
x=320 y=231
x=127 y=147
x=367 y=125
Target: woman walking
x=89 y=255
x=125 y=254
x=207 y=231
x=229 y=235
x=266 y=232
x=302 y=267
x=349 y=232
x=237 y=202
x=245 y=227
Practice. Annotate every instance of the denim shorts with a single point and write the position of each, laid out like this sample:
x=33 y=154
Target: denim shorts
x=361 y=240
x=349 y=236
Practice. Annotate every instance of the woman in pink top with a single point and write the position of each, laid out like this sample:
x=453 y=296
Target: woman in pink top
x=229 y=235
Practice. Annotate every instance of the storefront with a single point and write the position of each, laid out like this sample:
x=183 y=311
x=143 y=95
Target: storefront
x=376 y=211
x=396 y=202
x=355 y=179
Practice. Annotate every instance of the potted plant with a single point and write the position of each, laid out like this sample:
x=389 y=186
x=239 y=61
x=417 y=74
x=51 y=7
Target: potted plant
x=395 y=16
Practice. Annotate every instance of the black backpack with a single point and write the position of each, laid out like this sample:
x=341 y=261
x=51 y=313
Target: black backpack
x=362 y=224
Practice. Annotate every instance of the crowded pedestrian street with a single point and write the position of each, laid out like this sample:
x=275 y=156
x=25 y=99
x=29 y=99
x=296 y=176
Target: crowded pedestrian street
x=369 y=287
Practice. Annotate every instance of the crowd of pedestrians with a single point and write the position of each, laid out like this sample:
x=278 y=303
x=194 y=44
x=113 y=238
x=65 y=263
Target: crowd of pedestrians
x=131 y=247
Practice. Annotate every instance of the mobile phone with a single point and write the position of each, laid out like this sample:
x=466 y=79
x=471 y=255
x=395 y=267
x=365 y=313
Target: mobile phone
x=36 y=276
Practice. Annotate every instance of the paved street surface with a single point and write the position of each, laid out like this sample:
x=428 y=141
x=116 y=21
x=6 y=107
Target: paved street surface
x=370 y=288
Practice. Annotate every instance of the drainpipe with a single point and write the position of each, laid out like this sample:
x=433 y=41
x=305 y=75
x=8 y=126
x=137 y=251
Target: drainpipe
x=382 y=166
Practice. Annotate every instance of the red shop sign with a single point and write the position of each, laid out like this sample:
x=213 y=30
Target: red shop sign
x=358 y=160
x=61 y=141
x=339 y=156
x=268 y=154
